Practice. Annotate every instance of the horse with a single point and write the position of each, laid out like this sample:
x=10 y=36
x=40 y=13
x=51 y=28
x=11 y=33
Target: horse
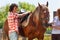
x=5 y=30
x=37 y=24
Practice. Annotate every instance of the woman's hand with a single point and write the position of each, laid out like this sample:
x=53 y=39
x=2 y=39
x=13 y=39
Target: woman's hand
x=56 y=27
x=23 y=14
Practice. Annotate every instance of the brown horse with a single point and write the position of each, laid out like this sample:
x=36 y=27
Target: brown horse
x=36 y=26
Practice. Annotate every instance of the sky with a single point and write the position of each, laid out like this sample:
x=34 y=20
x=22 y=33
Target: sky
x=53 y=4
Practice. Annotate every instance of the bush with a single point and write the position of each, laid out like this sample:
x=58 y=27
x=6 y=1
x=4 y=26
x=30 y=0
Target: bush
x=1 y=25
x=48 y=31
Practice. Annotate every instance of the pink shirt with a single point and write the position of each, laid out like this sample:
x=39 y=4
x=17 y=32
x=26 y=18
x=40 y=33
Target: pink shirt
x=12 y=22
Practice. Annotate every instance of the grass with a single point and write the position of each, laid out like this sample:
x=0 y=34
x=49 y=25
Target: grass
x=46 y=37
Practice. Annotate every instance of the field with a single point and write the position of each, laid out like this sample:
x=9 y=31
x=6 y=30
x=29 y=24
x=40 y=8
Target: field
x=46 y=37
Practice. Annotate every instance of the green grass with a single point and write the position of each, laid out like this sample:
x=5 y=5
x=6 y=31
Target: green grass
x=47 y=37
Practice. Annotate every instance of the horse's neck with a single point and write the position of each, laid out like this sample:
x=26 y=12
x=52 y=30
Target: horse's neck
x=36 y=18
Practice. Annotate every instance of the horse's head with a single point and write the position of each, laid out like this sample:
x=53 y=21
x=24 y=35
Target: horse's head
x=44 y=14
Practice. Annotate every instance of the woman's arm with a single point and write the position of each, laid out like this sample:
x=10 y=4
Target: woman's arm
x=56 y=27
x=22 y=15
x=54 y=24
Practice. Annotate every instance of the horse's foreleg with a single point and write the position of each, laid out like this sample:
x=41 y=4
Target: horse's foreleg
x=23 y=38
x=41 y=37
x=30 y=39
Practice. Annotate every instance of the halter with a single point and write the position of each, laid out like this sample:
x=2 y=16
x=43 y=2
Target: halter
x=45 y=25
x=41 y=20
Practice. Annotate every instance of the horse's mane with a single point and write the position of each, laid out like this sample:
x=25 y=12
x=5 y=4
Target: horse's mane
x=34 y=11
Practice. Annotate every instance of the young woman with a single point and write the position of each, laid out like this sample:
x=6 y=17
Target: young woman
x=13 y=22
x=56 y=27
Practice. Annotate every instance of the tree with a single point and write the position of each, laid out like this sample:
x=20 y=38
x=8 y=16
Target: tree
x=26 y=6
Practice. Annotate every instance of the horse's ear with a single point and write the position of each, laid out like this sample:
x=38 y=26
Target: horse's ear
x=47 y=4
x=39 y=5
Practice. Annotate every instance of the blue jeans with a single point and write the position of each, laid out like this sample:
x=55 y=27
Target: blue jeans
x=13 y=36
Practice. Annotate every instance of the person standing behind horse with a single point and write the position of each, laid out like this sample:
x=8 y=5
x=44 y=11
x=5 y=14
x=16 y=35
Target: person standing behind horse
x=56 y=27
x=13 y=22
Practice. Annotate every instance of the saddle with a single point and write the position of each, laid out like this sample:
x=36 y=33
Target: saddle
x=25 y=20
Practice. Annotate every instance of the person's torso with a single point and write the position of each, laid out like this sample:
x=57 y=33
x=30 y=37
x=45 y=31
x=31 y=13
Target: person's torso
x=57 y=24
x=15 y=23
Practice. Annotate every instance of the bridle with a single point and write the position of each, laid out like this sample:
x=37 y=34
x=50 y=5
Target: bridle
x=45 y=25
x=41 y=20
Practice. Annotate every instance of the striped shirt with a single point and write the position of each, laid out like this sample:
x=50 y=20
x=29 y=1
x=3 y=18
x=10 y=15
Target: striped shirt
x=12 y=22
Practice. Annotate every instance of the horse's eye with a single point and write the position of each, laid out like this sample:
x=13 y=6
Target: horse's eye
x=44 y=11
